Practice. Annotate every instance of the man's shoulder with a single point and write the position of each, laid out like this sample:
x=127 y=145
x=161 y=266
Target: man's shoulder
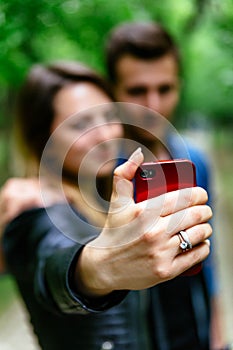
x=181 y=146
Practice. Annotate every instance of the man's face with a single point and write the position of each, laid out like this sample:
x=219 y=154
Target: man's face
x=151 y=83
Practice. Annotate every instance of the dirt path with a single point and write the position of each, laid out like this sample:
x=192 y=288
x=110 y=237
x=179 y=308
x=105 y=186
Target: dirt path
x=15 y=331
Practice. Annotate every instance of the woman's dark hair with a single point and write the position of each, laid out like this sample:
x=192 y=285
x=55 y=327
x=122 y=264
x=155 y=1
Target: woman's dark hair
x=35 y=100
x=143 y=40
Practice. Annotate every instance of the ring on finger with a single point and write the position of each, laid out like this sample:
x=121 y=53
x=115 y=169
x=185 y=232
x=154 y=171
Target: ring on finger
x=185 y=243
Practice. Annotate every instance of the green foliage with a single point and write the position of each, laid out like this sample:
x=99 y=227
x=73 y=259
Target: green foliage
x=208 y=56
x=7 y=292
x=44 y=30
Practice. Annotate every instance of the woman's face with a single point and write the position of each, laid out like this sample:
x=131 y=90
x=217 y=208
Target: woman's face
x=85 y=129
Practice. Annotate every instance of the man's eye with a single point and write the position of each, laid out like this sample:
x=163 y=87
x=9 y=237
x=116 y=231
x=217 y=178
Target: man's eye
x=164 y=89
x=137 y=91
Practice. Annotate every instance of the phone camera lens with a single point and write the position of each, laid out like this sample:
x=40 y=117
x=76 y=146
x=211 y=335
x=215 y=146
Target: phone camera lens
x=144 y=173
x=147 y=173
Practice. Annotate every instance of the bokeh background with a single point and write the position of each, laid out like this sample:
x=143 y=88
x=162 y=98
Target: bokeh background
x=44 y=30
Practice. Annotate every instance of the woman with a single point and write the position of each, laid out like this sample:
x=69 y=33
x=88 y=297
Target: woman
x=73 y=264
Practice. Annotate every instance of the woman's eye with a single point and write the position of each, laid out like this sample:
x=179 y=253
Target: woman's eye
x=81 y=124
x=78 y=126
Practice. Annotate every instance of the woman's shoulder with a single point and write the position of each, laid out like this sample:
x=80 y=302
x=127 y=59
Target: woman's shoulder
x=61 y=218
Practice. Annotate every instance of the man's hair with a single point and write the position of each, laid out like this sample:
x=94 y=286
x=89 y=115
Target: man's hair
x=144 y=40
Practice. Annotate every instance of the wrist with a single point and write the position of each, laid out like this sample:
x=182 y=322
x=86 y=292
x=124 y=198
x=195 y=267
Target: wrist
x=90 y=273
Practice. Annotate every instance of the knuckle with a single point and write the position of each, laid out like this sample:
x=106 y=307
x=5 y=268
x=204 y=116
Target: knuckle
x=161 y=267
x=199 y=235
x=138 y=218
x=163 y=272
x=196 y=214
x=202 y=232
x=147 y=237
x=170 y=202
x=201 y=213
x=167 y=198
x=189 y=194
x=138 y=211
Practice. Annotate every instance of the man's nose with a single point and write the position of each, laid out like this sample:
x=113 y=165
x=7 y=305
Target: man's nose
x=153 y=101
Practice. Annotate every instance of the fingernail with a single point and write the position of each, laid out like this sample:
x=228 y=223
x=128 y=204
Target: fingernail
x=136 y=155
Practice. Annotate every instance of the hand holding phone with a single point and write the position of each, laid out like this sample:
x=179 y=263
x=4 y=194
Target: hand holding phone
x=156 y=178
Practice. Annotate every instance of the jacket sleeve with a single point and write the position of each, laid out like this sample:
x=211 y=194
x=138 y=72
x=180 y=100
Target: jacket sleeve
x=38 y=253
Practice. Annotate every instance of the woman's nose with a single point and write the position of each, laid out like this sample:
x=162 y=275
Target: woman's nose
x=103 y=132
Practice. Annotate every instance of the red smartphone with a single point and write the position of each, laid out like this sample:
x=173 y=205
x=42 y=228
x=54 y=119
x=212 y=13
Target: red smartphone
x=156 y=178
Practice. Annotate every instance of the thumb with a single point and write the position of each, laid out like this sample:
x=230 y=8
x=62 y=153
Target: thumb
x=128 y=169
x=123 y=174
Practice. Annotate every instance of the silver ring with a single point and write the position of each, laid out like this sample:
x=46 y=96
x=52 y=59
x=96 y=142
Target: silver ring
x=185 y=243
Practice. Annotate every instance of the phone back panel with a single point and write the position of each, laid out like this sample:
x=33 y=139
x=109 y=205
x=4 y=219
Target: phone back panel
x=154 y=179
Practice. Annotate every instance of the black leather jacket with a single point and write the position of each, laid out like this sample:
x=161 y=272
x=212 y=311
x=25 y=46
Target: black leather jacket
x=41 y=259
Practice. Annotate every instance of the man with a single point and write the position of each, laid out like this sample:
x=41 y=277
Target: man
x=143 y=66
